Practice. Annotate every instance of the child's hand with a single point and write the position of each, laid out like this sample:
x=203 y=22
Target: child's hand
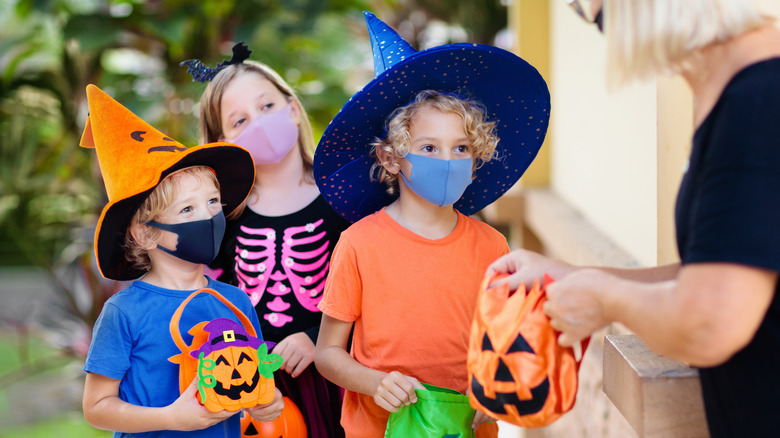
x=270 y=411
x=297 y=351
x=188 y=414
x=480 y=418
x=396 y=390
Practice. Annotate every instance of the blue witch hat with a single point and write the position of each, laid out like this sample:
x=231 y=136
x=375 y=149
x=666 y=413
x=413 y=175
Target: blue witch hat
x=514 y=93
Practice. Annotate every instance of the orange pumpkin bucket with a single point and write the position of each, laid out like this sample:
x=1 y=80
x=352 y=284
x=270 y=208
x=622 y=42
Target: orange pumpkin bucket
x=232 y=366
x=517 y=371
x=290 y=424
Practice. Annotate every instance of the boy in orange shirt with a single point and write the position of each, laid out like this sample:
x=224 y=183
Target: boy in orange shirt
x=407 y=276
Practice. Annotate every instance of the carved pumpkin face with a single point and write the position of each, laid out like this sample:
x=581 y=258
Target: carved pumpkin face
x=234 y=369
x=517 y=371
x=290 y=424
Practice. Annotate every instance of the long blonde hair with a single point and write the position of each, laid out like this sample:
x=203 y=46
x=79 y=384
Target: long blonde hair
x=211 y=110
x=647 y=37
x=211 y=129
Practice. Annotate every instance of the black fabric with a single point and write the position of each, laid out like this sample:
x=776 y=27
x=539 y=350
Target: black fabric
x=728 y=210
x=332 y=224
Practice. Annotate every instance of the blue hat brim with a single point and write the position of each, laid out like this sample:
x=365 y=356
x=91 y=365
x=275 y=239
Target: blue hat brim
x=513 y=91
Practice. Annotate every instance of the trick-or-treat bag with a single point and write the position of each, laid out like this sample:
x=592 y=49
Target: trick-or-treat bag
x=232 y=366
x=517 y=371
x=439 y=412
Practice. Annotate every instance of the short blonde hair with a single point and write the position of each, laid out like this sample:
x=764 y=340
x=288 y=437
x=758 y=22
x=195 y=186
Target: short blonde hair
x=211 y=108
x=647 y=37
x=153 y=206
x=480 y=131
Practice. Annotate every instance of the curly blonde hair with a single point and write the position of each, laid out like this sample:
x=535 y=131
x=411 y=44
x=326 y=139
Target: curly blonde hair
x=152 y=208
x=480 y=132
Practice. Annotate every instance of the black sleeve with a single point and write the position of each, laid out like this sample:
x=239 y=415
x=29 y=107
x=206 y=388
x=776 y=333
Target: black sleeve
x=736 y=207
x=313 y=333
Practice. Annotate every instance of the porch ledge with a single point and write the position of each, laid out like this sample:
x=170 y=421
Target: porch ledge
x=659 y=397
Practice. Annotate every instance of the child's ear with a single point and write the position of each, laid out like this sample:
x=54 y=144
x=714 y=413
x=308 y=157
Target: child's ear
x=389 y=160
x=141 y=235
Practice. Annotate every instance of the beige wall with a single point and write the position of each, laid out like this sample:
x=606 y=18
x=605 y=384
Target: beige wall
x=617 y=156
x=604 y=144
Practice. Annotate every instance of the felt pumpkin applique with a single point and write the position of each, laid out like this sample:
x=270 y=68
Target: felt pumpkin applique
x=517 y=371
x=289 y=424
x=232 y=366
x=235 y=367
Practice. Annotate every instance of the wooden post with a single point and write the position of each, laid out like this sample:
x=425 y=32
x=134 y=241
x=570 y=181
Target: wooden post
x=659 y=397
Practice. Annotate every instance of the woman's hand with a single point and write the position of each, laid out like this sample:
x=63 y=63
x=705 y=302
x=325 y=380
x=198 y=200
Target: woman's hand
x=297 y=351
x=575 y=305
x=526 y=267
x=396 y=390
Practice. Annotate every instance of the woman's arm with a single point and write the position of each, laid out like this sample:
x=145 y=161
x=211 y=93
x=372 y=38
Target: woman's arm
x=526 y=266
x=104 y=409
x=390 y=390
x=703 y=317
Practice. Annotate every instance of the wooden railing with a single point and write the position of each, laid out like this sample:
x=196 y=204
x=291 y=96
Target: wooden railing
x=659 y=397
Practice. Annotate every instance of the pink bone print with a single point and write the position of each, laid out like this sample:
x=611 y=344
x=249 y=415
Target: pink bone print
x=298 y=271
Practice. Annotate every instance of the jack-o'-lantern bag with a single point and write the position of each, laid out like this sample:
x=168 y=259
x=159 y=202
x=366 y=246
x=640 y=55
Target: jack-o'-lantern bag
x=517 y=371
x=232 y=366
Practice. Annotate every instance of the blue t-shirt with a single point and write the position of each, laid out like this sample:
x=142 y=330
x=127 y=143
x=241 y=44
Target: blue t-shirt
x=131 y=342
x=728 y=210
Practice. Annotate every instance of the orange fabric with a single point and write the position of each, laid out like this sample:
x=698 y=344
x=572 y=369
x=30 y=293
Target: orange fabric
x=132 y=154
x=511 y=332
x=412 y=301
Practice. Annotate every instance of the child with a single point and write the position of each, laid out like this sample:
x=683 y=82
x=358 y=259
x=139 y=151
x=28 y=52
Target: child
x=407 y=276
x=164 y=219
x=278 y=248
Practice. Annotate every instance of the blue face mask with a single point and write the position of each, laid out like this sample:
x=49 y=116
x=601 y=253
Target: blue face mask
x=198 y=240
x=440 y=182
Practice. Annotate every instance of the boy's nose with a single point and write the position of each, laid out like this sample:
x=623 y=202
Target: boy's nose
x=206 y=213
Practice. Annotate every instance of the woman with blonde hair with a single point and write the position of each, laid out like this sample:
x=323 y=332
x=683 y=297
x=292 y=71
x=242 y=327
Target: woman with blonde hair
x=718 y=309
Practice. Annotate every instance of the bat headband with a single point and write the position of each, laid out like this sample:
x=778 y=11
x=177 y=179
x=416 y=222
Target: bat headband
x=203 y=74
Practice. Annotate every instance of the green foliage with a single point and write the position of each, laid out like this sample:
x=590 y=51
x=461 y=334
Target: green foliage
x=19 y=350
x=70 y=426
x=42 y=193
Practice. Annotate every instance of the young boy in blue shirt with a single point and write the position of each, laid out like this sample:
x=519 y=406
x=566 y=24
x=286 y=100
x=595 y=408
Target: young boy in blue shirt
x=163 y=221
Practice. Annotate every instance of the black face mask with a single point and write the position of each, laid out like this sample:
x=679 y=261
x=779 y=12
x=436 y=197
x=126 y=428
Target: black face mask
x=198 y=240
x=599 y=20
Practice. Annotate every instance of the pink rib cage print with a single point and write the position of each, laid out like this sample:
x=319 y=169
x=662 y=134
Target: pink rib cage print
x=300 y=273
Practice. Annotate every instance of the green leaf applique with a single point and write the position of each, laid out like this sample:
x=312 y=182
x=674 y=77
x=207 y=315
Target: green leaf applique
x=267 y=363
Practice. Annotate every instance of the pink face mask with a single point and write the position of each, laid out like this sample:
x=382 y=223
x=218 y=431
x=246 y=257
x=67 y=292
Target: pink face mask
x=269 y=138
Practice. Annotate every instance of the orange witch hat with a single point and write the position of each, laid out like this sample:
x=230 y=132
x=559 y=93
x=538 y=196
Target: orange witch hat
x=134 y=158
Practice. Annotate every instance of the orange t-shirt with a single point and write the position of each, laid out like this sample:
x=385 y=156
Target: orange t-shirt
x=412 y=300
